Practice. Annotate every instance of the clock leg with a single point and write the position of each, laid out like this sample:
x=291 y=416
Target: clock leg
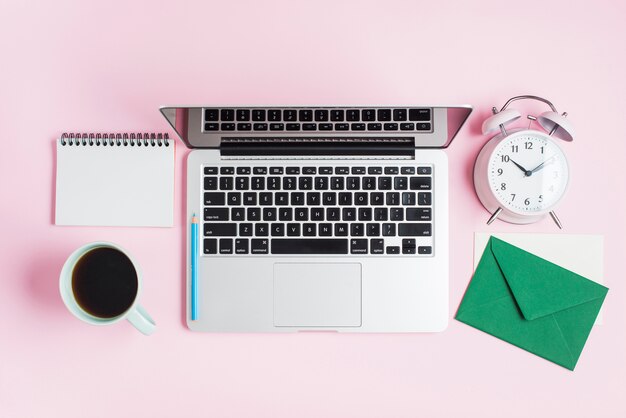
x=556 y=219
x=494 y=216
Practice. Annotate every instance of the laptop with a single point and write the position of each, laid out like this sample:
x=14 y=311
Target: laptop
x=319 y=218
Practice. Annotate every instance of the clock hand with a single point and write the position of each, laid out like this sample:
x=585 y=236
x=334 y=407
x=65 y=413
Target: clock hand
x=526 y=172
x=540 y=166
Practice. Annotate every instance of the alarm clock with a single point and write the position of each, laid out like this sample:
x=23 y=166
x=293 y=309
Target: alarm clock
x=521 y=174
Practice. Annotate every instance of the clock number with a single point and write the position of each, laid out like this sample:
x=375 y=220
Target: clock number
x=500 y=171
x=514 y=148
x=542 y=150
x=540 y=198
x=503 y=186
x=528 y=145
x=512 y=197
x=527 y=201
x=505 y=158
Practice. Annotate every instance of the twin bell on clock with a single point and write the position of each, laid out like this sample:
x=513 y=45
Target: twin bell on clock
x=521 y=174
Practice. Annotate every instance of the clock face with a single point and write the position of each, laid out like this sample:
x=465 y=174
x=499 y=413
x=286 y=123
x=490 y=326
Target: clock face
x=528 y=172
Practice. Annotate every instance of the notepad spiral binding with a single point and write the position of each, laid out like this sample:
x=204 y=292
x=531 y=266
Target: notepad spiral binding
x=112 y=139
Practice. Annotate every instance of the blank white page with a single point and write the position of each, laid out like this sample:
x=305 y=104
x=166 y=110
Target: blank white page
x=115 y=185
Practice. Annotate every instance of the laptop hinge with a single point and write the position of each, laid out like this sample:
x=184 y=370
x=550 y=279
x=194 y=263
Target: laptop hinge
x=335 y=146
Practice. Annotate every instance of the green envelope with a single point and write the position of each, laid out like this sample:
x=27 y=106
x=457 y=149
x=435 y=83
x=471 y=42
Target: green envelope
x=531 y=303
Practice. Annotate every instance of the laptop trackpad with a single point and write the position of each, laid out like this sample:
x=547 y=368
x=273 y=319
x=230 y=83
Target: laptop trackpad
x=317 y=294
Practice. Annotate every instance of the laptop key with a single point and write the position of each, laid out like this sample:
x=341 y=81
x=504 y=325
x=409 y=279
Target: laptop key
x=333 y=214
x=273 y=115
x=396 y=214
x=290 y=115
x=261 y=229
x=341 y=229
x=424 y=170
x=258 y=183
x=269 y=214
x=227 y=170
x=399 y=114
x=293 y=230
x=420 y=183
x=384 y=183
x=210 y=246
x=418 y=214
x=214 y=199
x=211 y=114
x=407 y=126
x=408 y=198
x=226 y=246
x=384 y=115
x=254 y=214
x=245 y=229
x=265 y=199
x=380 y=214
x=302 y=214
x=210 y=183
x=227 y=114
x=243 y=114
x=241 y=246
x=234 y=198
x=281 y=199
x=358 y=246
x=336 y=115
x=325 y=230
x=414 y=229
x=259 y=170
x=285 y=214
x=238 y=214
x=389 y=230
x=211 y=126
x=400 y=183
x=242 y=183
x=244 y=126
x=259 y=246
x=377 y=246
x=373 y=230
x=357 y=230
x=212 y=229
x=258 y=115
x=425 y=250
x=226 y=183
x=260 y=126
x=277 y=230
x=215 y=214
x=277 y=126
x=210 y=170
x=393 y=249
x=424 y=198
x=309 y=246
x=249 y=199
x=313 y=198
x=309 y=126
x=309 y=229
x=407 y=170
x=227 y=127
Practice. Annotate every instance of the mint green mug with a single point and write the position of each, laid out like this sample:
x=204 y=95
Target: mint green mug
x=100 y=284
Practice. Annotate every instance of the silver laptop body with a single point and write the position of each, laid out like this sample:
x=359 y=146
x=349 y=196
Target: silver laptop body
x=266 y=268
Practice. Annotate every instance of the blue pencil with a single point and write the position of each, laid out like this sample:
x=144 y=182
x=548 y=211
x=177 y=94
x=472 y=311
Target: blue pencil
x=194 y=267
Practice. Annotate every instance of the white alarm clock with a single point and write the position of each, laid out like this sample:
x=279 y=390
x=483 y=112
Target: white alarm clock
x=521 y=174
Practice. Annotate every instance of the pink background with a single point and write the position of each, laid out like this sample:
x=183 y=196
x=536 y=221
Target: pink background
x=100 y=66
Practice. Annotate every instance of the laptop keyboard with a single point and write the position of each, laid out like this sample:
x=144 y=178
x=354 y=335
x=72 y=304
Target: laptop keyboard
x=318 y=210
x=317 y=119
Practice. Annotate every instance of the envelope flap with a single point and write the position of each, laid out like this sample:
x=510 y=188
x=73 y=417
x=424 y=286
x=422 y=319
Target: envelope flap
x=540 y=287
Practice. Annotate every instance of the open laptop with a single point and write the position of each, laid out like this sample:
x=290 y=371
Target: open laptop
x=331 y=218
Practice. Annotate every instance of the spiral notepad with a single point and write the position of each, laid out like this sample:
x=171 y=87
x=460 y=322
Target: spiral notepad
x=115 y=180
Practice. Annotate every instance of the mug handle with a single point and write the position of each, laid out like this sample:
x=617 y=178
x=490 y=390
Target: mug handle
x=141 y=320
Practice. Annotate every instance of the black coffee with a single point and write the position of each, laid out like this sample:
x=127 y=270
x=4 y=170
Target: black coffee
x=104 y=282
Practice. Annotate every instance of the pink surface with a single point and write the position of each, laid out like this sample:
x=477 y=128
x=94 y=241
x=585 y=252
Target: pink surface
x=97 y=66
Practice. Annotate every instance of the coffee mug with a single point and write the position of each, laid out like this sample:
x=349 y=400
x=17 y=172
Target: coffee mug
x=100 y=284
